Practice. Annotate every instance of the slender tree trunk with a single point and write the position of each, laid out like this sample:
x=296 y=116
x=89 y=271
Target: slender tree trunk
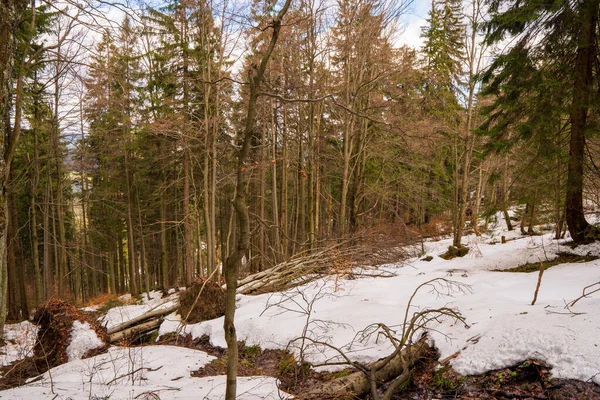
x=187 y=229
x=164 y=266
x=283 y=218
x=15 y=305
x=48 y=276
x=233 y=261
x=208 y=212
x=274 y=193
x=121 y=265
x=133 y=284
x=478 y=202
x=505 y=190
x=582 y=88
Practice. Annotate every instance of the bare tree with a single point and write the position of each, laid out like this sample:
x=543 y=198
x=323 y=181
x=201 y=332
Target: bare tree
x=243 y=243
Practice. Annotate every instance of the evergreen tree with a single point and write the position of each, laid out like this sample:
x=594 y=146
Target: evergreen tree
x=556 y=39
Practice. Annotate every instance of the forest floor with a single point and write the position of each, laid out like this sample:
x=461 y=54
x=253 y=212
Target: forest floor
x=502 y=348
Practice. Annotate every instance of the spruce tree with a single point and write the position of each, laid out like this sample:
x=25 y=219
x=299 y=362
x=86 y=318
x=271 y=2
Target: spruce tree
x=560 y=39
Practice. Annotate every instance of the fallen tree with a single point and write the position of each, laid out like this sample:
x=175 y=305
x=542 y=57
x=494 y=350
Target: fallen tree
x=396 y=369
x=144 y=323
x=393 y=370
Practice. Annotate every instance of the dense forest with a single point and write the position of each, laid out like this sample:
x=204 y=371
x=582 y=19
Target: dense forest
x=147 y=146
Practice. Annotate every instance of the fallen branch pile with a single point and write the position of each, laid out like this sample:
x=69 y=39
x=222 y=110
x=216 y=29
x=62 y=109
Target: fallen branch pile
x=141 y=324
x=334 y=260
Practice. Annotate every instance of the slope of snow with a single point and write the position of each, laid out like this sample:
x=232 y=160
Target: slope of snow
x=503 y=328
x=83 y=339
x=127 y=373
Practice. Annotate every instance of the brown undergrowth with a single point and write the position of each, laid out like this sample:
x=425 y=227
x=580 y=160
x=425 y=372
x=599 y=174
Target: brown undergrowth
x=55 y=320
x=201 y=301
x=529 y=380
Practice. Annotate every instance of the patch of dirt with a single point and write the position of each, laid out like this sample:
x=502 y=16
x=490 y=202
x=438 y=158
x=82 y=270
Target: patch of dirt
x=201 y=301
x=529 y=380
x=295 y=378
x=17 y=373
x=563 y=258
x=454 y=252
x=252 y=360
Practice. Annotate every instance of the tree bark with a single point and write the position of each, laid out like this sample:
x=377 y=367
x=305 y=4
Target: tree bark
x=582 y=87
x=11 y=11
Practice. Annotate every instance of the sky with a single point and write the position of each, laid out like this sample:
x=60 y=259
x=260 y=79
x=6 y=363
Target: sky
x=413 y=20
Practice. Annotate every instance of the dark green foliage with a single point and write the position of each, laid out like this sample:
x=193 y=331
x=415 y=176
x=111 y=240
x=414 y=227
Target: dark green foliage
x=542 y=88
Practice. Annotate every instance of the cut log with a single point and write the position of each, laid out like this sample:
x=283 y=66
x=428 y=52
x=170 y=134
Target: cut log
x=135 y=330
x=155 y=313
x=358 y=384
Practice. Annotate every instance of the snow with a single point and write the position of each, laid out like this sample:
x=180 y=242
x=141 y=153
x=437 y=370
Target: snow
x=83 y=339
x=127 y=373
x=503 y=328
x=20 y=339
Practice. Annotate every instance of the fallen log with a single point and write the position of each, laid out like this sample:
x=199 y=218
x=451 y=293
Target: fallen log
x=135 y=330
x=154 y=313
x=360 y=383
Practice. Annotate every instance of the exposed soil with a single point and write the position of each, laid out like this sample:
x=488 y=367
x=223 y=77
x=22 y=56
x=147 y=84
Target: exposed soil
x=525 y=381
x=295 y=378
x=454 y=252
x=563 y=258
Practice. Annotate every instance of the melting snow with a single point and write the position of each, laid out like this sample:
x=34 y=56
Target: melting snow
x=83 y=339
x=504 y=328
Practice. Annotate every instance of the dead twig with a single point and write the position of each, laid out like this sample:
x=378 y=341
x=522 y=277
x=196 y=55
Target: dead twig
x=586 y=293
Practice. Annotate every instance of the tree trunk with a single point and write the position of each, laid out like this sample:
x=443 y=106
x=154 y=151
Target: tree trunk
x=187 y=228
x=243 y=243
x=505 y=189
x=582 y=87
x=164 y=266
x=11 y=11
x=133 y=283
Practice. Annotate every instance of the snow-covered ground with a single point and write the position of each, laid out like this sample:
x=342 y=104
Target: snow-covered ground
x=143 y=373
x=83 y=339
x=503 y=328
x=20 y=339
